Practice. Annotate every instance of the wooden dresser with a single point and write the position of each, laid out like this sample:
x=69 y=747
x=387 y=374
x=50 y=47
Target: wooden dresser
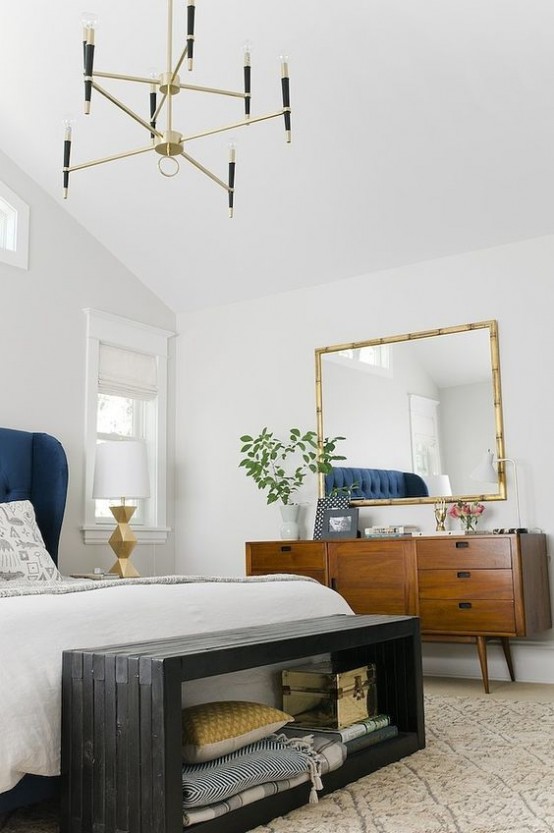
x=467 y=588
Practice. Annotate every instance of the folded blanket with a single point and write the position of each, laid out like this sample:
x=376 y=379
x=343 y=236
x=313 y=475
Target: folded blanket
x=273 y=758
x=328 y=754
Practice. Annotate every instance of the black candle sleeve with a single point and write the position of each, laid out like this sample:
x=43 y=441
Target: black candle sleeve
x=247 y=88
x=286 y=91
x=190 y=31
x=66 y=158
x=231 y=186
x=89 y=64
x=153 y=105
x=286 y=101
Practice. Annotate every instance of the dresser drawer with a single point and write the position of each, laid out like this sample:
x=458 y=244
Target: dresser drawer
x=467 y=616
x=466 y=552
x=469 y=584
x=285 y=556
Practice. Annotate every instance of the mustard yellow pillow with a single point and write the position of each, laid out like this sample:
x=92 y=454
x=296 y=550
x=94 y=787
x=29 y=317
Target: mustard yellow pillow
x=211 y=730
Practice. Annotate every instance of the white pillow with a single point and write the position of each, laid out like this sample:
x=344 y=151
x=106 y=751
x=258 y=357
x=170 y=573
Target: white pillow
x=23 y=556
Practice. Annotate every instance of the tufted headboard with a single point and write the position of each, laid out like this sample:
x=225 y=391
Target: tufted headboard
x=376 y=484
x=33 y=467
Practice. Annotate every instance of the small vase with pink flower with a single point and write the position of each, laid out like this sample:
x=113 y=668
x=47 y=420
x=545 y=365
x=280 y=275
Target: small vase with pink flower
x=467 y=513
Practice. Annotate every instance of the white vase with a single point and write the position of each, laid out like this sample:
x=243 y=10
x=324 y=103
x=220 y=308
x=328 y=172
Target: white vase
x=289 y=528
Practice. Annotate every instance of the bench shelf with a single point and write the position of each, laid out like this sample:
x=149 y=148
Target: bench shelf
x=121 y=716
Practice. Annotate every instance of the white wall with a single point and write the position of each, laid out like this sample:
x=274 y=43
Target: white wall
x=43 y=342
x=252 y=364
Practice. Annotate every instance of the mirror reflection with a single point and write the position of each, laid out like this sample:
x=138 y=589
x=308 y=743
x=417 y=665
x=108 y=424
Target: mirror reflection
x=418 y=411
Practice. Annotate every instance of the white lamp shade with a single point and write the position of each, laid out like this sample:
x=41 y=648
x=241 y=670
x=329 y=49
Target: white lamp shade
x=485 y=471
x=438 y=485
x=121 y=470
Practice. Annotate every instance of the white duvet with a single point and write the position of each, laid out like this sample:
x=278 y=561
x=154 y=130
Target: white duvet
x=35 y=629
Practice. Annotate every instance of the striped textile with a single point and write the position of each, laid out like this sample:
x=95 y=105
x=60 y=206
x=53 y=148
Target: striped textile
x=330 y=754
x=267 y=760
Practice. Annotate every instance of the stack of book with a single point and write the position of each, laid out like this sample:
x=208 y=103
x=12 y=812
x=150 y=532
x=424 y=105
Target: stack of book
x=355 y=737
x=390 y=531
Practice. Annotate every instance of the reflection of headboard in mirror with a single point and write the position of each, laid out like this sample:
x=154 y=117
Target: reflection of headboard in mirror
x=427 y=402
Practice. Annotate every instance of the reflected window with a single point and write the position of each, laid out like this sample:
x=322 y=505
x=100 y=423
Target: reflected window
x=375 y=355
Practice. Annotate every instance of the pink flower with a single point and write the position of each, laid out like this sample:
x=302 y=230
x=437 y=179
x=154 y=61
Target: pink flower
x=464 y=510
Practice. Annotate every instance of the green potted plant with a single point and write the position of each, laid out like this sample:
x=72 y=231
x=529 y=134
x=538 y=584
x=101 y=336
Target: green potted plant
x=279 y=467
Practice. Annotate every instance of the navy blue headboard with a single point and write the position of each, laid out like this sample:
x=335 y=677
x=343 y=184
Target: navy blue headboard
x=376 y=484
x=33 y=467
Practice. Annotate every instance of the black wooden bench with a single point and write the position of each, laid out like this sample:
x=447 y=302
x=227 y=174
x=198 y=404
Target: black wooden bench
x=121 y=716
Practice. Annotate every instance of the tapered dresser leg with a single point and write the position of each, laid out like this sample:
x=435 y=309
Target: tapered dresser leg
x=482 y=651
x=508 y=654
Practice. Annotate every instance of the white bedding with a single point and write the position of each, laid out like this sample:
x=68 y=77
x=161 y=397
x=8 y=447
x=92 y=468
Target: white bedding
x=35 y=629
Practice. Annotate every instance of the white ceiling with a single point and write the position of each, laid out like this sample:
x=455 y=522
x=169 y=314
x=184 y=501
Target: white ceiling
x=421 y=128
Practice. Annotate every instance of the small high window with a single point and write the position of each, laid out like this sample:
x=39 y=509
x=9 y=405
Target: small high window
x=14 y=229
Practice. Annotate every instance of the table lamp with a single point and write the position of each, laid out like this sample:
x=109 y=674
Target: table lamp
x=121 y=471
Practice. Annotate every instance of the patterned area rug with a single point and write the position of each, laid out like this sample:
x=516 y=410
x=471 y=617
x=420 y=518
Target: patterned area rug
x=488 y=768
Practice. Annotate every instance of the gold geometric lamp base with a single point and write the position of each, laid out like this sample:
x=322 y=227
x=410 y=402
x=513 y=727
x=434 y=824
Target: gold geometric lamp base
x=123 y=541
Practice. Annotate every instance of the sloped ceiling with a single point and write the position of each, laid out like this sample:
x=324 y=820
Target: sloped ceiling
x=421 y=128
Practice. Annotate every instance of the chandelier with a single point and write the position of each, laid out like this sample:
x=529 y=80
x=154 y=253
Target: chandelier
x=168 y=142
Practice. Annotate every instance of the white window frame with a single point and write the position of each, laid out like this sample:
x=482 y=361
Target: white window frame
x=106 y=328
x=19 y=255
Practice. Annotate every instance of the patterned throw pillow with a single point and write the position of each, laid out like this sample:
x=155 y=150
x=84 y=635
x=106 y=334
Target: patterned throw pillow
x=211 y=730
x=23 y=557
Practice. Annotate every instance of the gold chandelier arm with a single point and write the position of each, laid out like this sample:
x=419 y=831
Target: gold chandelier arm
x=159 y=107
x=109 y=158
x=179 y=63
x=198 y=89
x=126 y=109
x=233 y=126
x=138 y=78
x=205 y=171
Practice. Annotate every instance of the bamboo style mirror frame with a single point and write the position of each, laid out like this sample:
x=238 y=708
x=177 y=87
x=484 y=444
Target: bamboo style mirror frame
x=427 y=402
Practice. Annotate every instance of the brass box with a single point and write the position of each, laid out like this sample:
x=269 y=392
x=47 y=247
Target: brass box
x=318 y=696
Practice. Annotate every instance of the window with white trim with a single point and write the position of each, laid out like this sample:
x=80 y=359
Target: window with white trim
x=127 y=399
x=14 y=228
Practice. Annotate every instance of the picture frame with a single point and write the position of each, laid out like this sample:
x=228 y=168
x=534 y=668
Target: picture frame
x=329 y=502
x=340 y=523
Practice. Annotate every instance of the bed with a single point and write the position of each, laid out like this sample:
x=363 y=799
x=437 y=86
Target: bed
x=33 y=466
x=38 y=622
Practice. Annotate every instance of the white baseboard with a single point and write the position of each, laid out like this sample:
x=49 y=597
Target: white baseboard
x=533 y=661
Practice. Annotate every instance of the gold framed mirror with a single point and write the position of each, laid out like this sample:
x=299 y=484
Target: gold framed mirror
x=427 y=404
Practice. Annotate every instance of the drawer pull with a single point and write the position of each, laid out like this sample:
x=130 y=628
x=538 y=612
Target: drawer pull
x=286 y=549
x=460 y=545
x=463 y=574
x=464 y=605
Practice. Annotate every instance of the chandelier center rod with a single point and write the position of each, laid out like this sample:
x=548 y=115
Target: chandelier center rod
x=169 y=65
